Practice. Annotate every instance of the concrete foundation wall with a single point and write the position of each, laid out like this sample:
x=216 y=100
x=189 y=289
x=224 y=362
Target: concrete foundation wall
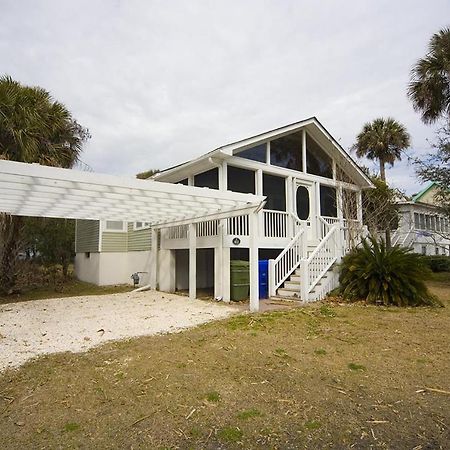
x=113 y=267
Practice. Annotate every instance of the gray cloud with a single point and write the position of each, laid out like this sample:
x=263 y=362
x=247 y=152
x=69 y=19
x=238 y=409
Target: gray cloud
x=159 y=82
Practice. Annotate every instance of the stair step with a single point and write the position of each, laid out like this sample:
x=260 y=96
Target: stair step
x=294 y=285
x=295 y=278
x=283 y=292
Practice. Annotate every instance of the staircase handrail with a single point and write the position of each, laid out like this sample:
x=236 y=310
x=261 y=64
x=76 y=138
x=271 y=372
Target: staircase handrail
x=286 y=262
x=306 y=285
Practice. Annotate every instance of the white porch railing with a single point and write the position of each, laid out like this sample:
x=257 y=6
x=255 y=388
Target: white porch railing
x=208 y=228
x=238 y=226
x=276 y=224
x=319 y=262
x=176 y=232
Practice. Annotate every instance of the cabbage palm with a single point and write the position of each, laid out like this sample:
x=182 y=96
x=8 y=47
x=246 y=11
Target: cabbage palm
x=429 y=88
x=385 y=275
x=34 y=128
x=382 y=140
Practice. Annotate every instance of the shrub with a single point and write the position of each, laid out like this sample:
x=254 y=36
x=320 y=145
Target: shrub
x=437 y=263
x=382 y=275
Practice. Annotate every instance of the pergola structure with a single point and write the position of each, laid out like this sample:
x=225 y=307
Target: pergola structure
x=42 y=191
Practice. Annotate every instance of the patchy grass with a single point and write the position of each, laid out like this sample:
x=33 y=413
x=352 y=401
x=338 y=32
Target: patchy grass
x=70 y=288
x=213 y=397
x=249 y=413
x=251 y=381
x=356 y=367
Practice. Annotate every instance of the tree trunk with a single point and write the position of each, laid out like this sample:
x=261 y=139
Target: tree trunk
x=382 y=171
x=10 y=243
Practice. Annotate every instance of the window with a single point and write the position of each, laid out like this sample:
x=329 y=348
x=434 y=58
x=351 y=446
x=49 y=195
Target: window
x=240 y=180
x=436 y=250
x=416 y=221
x=286 y=151
x=141 y=225
x=258 y=153
x=424 y=249
x=317 y=160
x=302 y=202
x=328 y=201
x=209 y=179
x=422 y=221
x=427 y=222
x=185 y=182
x=274 y=188
x=115 y=225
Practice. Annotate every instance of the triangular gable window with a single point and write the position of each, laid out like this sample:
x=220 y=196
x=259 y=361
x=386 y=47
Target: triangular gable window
x=317 y=160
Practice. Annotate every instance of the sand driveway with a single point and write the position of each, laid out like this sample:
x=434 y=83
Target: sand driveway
x=75 y=324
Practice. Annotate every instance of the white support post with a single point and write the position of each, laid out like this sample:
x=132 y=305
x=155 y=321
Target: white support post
x=290 y=206
x=359 y=209
x=226 y=288
x=304 y=282
x=304 y=151
x=253 y=251
x=192 y=262
x=218 y=263
x=259 y=191
x=154 y=259
x=271 y=278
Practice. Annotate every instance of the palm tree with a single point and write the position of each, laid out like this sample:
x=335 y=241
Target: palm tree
x=34 y=128
x=382 y=140
x=429 y=88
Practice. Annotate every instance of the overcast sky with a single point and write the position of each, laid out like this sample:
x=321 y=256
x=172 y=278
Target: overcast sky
x=161 y=82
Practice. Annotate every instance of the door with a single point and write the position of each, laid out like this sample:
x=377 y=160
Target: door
x=304 y=206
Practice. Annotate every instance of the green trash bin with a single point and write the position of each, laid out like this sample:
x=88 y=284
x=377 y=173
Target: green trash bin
x=239 y=280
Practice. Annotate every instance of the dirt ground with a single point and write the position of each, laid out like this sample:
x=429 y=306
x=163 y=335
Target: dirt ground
x=33 y=328
x=325 y=376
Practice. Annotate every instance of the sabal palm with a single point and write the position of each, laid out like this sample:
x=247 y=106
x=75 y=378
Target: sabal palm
x=429 y=89
x=382 y=140
x=36 y=129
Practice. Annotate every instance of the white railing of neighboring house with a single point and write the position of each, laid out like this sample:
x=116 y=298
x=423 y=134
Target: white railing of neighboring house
x=287 y=261
x=276 y=224
x=207 y=228
x=177 y=232
x=238 y=226
x=319 y=262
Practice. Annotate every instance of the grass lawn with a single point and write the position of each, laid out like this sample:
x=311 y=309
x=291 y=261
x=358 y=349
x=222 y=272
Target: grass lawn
x=325 y=376
x=71 y=287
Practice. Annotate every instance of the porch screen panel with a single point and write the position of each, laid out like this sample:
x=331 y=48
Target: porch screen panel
x=258 y=153
x=317 y=160
x=328 y=206
x=349 y=204
x=274 y=188
x=209 y=179
x=240 y=180
x=286 y=151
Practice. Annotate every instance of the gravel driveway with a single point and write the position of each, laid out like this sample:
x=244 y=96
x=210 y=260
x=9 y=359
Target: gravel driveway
x=76 y=324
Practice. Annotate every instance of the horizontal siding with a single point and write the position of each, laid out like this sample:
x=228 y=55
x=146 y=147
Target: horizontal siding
x=114 y=242
x=139 y=240
x=87 y=236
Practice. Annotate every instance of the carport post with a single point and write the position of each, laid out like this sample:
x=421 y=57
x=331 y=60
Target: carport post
x=154 y=259
x=253 y=253
x=192 y=262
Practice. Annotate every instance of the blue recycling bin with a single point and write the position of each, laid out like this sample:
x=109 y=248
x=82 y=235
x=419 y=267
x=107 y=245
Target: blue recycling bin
x=263 y=267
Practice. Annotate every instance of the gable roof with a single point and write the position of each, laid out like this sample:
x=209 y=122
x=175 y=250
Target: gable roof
x=417 y=197
x=312 y=125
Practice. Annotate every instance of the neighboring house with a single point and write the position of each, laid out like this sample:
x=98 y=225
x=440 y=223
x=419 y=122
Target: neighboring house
x=312 y=213
x=422 y=226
